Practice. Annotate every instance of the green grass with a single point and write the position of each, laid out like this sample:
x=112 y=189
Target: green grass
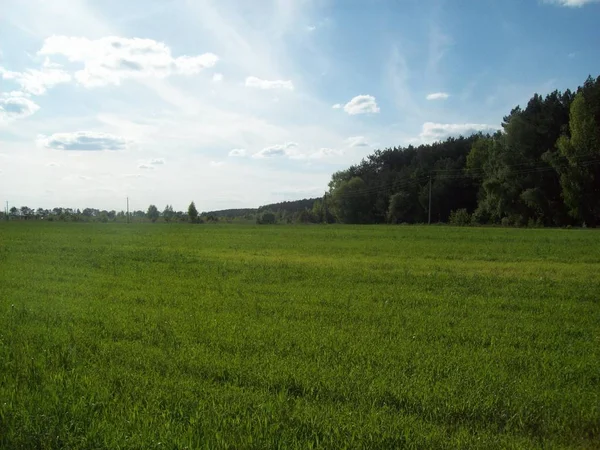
x=177 y=336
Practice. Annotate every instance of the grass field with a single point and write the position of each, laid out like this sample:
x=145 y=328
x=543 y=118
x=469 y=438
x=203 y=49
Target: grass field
x=154 y=336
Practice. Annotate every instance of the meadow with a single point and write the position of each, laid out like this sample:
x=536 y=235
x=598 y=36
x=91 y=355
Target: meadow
x=174 y=336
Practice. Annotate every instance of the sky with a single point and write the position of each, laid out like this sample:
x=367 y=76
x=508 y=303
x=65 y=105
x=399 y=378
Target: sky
x=236 y=104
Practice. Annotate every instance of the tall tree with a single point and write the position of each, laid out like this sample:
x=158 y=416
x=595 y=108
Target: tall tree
x=351 y=201
x=153 y=213
x=580 y=176
x=193 y=213
x=168 y=213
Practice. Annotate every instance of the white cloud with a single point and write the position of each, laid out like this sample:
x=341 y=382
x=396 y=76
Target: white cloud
x=286 y=149
x=255 y=82
x=325 y=153
x=37 y=82
x=13 y=107
x=217 y=77
x=432 y=132
x=83 y=140
x=157 y=161
x=357 y=141
x=310 y=28
x=53 y=164
x=337 y=106
x=145 y=166
x=361 y=104
x=438 y=96
x=571 y=3
x=237 y=152
x=111 y=59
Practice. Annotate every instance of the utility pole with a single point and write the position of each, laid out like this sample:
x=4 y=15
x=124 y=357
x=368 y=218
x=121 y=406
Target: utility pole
x=127 y=209
x=429 y=200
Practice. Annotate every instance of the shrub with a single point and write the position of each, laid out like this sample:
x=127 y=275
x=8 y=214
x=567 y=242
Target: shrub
x=460 y=218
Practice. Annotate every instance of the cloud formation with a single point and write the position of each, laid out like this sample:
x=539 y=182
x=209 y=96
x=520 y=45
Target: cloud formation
x=258 y=83
x=37 y=82
x=15 y=107
x=277 y=150
x=432 y=132
x=323 y=153
x=83 y=140
x=112 y=59
x=571 y=3
x=357 y=141
x=237 y=152
x=361 y=104
x=438 y=96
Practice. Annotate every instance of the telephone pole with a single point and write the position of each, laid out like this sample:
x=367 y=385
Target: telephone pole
x=429 y=221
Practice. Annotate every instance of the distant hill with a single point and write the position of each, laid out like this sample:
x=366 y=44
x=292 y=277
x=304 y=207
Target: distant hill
x=290 y=207
x=232 y=213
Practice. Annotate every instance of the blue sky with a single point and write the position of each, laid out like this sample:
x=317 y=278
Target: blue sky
x=236 y=104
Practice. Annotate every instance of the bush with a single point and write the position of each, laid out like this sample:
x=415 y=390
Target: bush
x=460 y=218
x=267 y=218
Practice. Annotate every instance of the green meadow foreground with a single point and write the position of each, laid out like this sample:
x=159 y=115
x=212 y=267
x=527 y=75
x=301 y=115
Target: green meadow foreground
x=220 y=336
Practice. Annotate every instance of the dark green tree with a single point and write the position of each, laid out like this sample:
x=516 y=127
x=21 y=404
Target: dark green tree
x=580 y=171
x=152 y=213
x=192 y=213
x=168 y=213
x=351 y=201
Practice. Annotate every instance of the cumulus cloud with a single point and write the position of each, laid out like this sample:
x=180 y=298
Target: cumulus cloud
x=571 y=3
x=439 y=131
x=237 y=152
x=14 y=107
x=337 y=106
x=111 y=59
x=83 y=140
x=357 y=141
x=257 y=83
x=217 y=77
x=438 y=96
x=37 y=82
x=361 y=104
x=277 y=150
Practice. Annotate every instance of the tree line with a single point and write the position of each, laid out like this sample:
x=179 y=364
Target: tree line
x=168 y=214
